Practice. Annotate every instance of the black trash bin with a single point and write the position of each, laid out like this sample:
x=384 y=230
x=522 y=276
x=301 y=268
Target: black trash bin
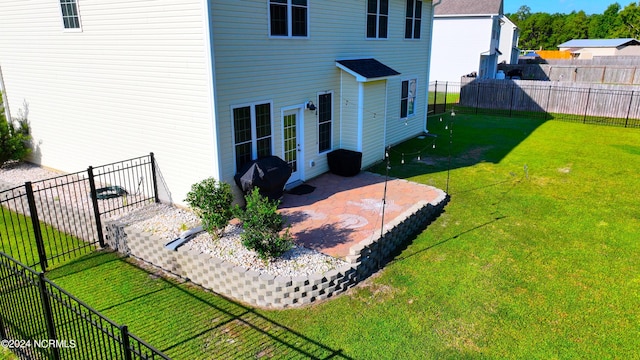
x=344 y=162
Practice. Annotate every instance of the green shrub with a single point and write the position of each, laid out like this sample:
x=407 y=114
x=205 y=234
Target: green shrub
x=262 y=225
x=211 y=200
x=14 y=138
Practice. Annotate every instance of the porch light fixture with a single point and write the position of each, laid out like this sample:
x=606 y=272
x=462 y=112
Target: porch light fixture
x=311 y=106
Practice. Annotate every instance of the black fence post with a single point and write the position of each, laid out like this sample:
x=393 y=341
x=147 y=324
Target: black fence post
x=96 y=209
x=48 y=314
x=626 y=121
x=154 y=177
x=124 y=333
x=446 y=92
x=435 y=97
x=35 y=222
x=3 y=331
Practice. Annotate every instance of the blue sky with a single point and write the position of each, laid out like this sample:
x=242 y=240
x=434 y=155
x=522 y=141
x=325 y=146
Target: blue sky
x=563 y=6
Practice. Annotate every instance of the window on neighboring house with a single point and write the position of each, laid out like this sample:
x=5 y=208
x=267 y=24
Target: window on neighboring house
x=70 y=16
x=377 y=18
x=325 y=119
x=252 y=133
x=414 y=19
x=408 y=101
x=288 y=17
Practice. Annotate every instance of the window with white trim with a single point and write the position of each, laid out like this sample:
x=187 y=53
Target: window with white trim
x=70 y=15
x=252 y=133
x=377 y=19
x=408 y=98
x=288 y=18
x=413 y=20
x=325 y=121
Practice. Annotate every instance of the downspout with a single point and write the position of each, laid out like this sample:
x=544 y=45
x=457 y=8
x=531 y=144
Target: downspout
x=426 y=100
x=360 y=116
x=5 y=99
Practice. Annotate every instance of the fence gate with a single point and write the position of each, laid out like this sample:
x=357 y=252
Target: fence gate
x=53 y=220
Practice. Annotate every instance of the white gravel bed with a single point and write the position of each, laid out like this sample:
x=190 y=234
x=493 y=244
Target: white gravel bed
x=17 y=173
x=167 y=222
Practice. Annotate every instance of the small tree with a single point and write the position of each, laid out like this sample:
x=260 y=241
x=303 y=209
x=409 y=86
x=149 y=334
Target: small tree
x=14 y=138
x=262 y=225
x=211 y=200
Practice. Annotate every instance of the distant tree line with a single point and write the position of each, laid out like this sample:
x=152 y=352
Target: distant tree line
x=546 y=31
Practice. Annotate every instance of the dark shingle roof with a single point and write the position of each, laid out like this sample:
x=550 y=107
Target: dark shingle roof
x=367 y=68
x=469 y=7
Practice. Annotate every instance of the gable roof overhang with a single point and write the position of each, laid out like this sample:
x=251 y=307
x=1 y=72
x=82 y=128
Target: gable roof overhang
x=365 y=70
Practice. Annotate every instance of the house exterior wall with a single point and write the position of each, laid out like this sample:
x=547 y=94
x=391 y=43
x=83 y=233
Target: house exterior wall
x=134 y=80
x=161 y=76
x=253 y=66
x=509 y=36
x=458 y=43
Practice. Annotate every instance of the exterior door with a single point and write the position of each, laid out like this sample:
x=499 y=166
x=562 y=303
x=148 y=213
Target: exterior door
x=293 y=146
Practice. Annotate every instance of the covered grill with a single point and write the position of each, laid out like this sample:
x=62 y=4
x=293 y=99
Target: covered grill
x=268 y=174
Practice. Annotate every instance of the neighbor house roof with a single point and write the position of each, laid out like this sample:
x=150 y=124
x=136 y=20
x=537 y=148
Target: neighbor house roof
x=469 y=7
x=594 y=43
x=366 y=69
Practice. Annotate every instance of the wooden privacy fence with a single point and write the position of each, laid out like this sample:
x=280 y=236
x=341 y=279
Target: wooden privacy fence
x=593 y=103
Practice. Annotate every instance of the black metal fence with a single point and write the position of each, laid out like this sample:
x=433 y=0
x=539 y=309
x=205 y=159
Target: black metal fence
x=40 y=320
x=589 y=105
x=53 y=220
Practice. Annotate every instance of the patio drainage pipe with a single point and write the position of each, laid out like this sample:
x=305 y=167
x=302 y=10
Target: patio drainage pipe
x=184 y=237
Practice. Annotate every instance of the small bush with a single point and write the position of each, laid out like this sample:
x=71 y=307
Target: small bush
x=262 y=224
x=211 y=200
x=14 y=138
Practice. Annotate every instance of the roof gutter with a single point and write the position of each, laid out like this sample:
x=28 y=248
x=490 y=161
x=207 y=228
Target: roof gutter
x=426 y=100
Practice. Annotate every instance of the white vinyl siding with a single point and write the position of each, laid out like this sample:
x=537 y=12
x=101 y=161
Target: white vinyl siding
x=135 y=80
x=250 y=66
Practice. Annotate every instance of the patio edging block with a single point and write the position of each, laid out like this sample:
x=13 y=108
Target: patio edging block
x=269 y=291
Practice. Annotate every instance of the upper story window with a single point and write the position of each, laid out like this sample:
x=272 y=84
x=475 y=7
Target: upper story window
x=408 y=98
x=288 y=18
x=413 y=20
x=70 y=16
x=377 y=19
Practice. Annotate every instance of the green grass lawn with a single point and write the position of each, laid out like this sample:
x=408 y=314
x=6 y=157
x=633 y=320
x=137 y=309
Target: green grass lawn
x=18 y=240
x=535 y=257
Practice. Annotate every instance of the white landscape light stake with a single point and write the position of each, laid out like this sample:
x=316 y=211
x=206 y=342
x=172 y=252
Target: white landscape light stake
x=450 y=128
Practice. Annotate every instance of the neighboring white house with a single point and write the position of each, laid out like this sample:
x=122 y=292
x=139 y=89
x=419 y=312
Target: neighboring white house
x=208 y=85
x=588 y=48
x=509 y=37
x=466 y=39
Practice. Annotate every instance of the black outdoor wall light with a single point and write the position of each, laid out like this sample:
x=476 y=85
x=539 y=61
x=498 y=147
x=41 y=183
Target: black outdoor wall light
x=311 y=106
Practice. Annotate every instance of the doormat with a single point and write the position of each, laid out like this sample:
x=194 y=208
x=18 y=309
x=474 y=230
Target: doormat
x=302 y=189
